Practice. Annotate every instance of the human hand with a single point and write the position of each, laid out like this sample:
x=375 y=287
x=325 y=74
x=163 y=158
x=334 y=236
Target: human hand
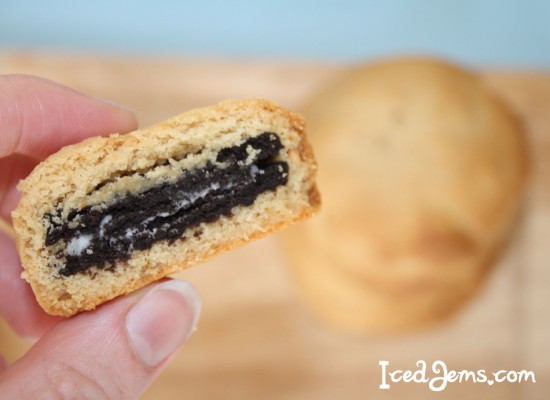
x=118 y=349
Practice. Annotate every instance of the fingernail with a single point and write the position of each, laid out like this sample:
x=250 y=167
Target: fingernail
x=114 y=104
x=163 y=320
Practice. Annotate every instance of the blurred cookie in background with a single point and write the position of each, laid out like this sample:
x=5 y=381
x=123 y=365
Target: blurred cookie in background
x=422 y=170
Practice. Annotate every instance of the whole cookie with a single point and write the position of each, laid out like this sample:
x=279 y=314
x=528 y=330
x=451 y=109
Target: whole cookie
x=422 y=170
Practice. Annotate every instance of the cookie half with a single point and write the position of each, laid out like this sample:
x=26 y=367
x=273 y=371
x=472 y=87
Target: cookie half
x=109 y=215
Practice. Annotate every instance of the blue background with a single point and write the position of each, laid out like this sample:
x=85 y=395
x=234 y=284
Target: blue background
x=481 y=32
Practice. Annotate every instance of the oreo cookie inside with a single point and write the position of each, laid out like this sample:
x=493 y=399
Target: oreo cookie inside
x=99 y=236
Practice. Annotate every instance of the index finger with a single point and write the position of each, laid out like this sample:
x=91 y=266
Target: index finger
x=38 y=116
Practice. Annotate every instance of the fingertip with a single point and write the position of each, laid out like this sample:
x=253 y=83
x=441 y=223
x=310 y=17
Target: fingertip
x=40 y=116
x=116 y=105
x=163 y=320
x=114 y=115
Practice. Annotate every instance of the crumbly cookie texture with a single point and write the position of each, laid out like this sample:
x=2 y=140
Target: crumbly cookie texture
x=109 y=215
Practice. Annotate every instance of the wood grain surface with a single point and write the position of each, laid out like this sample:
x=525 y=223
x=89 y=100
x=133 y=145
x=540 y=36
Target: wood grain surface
x=255 y=340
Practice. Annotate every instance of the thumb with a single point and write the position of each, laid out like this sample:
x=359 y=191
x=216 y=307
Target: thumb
x=114 y=352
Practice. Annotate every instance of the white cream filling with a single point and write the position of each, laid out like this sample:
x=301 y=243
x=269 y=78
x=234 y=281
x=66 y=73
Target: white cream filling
x=254 y=170
x=78 y=244
x=190 y=198
x=104 y=221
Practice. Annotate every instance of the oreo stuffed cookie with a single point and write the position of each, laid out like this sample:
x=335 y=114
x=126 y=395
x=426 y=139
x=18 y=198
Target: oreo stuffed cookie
x=109 y=215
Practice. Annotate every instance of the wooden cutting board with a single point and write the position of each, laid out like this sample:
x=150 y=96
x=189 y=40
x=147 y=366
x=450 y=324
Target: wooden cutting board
x=255 y=340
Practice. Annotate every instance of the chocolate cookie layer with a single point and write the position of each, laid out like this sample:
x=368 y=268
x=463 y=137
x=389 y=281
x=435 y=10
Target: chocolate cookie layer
x=98 y=236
